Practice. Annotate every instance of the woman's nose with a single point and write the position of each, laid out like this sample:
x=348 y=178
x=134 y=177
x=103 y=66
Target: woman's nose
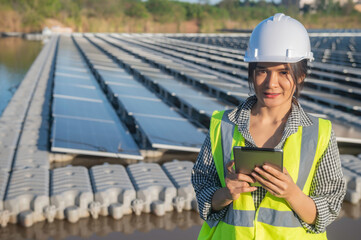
x=272 y=80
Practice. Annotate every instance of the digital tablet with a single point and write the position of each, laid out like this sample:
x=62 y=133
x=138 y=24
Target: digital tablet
x=246 y=159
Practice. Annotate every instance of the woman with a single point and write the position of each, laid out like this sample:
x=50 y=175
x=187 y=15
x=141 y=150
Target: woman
x=298 y=202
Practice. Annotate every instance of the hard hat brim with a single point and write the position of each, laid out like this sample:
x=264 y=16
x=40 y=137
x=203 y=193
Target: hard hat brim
x=276 y=59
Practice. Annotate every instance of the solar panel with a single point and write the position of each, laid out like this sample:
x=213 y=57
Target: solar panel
x=62 y=67
x=333 y=99
x=134 y=105
x=132 y=90
x=204 y=104
x=70 y=71
x=145 y=69
x=156 y=76
x=77 y=90
x=125 y=79
x=111 y=74
x=68 y=80
x=65 y=61
x=81 y=108
x=77 y=76
x=112 y=68
x=102 y=138
x=183 y=136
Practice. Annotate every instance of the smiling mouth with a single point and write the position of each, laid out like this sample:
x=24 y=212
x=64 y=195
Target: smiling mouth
x=271 y=95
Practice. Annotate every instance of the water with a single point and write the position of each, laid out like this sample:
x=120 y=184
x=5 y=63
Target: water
x=16 y=56
x=173 y=226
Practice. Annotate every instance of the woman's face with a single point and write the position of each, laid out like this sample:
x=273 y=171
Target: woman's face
x=273 y=85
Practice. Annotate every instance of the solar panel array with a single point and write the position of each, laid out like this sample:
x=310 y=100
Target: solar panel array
x=231 y=66
x=114 y=94
x=161 y=90
x=348 y=103
x=339 y=48
x=154 y=121
x=84 y=122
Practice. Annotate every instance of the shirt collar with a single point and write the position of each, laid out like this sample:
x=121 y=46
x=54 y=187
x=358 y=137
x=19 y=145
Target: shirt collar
x=241 y=116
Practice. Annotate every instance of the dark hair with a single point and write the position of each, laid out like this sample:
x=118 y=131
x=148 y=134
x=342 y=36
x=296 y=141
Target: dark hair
x=298 y=70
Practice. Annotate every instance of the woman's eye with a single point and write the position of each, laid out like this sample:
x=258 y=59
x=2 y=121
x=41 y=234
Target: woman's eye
x=284 y=72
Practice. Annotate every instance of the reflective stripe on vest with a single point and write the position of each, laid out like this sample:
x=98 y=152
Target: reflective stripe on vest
x=240 y=218
x=227 y=129
x=244 y=218
x=273 y=215
x=278 y=218
x=308 y=151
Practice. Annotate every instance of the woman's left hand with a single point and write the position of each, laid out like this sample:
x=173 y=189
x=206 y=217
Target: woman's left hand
x=279 y=184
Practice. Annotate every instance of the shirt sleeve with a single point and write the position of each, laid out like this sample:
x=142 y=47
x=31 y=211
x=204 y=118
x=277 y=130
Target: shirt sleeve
x=205 y=182
x=328 y=188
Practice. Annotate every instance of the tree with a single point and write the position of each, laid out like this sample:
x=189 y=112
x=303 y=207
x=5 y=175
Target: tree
x=231 y=6
x=165 y=11
x=160 y=9
x=136 y=10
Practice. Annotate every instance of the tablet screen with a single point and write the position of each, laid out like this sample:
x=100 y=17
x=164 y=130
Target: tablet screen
x=246 y=159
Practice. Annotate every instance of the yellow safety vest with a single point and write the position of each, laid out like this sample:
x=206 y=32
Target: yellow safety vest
x=273 y=219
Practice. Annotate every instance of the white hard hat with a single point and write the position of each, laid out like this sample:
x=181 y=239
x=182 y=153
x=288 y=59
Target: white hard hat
x=279 y=39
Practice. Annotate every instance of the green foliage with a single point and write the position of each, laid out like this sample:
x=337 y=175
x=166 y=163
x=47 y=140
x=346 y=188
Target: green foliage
x=179 y=12
x=247 y=12
x=333 y=7
x=160 y=9
x=49 y=8
x=136 y=10
x=166 y=11
x=232 y=7
x=192 y=10
x=32 y=20
x=71 y=9
x=104 y=8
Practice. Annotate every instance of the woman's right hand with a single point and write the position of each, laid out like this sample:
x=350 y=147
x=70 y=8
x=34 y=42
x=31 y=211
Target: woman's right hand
x=237 y=183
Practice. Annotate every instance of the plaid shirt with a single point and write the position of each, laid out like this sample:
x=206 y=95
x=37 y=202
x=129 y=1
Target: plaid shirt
x=327 y=189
